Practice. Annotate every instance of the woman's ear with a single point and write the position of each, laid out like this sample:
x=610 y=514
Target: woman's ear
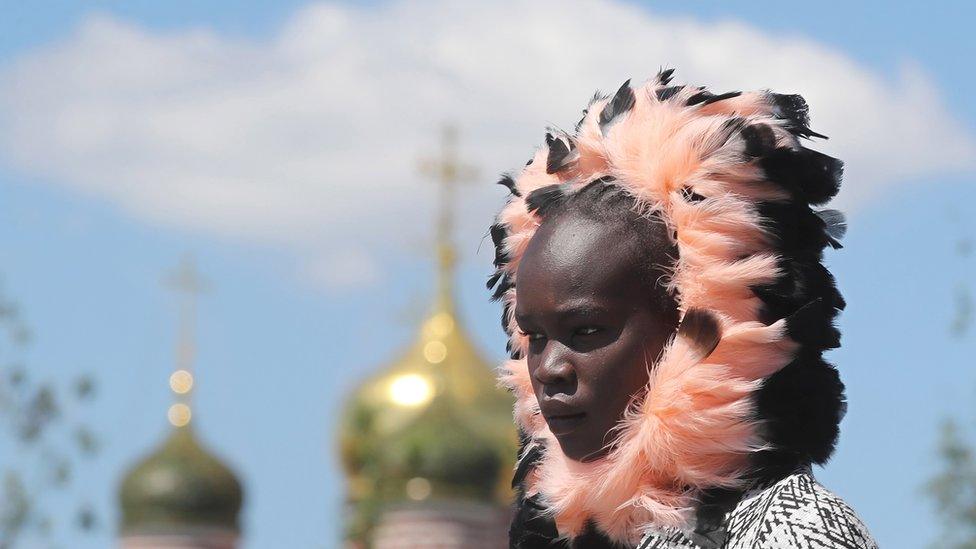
x=701 y=330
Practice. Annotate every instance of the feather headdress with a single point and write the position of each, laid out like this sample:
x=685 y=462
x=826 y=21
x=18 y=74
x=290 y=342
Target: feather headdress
x=741 y=390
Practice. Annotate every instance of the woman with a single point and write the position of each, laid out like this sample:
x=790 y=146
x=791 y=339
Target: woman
x=667 y=308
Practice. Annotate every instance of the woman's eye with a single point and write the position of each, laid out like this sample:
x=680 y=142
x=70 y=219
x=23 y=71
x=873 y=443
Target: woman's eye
x=587 y=330
x=533 y=336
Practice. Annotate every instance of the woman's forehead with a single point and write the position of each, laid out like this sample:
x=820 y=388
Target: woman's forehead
x=575 y=258
x=568 y=242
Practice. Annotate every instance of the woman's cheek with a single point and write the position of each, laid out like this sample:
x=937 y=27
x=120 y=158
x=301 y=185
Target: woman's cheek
x=610 y=360
x=532 y=365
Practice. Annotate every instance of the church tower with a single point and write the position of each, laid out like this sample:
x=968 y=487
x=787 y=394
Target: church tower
x=180 y=496
x=428 y=443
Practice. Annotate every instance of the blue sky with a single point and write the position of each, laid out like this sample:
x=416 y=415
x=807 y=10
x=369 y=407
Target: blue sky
x=278 y=350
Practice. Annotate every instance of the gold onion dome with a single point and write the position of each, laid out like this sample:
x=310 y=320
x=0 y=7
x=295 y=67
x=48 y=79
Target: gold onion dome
x=434 y=424
x=180 y=486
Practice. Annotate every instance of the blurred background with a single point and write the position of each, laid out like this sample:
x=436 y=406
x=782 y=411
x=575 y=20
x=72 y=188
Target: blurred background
x=243 y=253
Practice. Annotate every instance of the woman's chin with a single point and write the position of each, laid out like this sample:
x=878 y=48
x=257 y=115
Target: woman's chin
x=577 y=450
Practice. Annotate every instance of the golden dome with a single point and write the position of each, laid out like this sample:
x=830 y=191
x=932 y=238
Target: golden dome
x=435 y=407
x=433 y=425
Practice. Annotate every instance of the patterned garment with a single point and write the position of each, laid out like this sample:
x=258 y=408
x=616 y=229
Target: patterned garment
x=796 y=512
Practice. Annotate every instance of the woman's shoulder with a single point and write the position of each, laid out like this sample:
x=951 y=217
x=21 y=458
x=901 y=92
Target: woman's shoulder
x=796 y=512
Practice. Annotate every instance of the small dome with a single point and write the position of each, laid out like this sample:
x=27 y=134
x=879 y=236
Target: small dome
x=179 y=486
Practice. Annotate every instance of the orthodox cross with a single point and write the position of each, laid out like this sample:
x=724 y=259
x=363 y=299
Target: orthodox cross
x=188 y=284
x=448 y=172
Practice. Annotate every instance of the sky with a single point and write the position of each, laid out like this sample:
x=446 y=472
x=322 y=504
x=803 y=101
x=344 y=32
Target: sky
x=278 y=143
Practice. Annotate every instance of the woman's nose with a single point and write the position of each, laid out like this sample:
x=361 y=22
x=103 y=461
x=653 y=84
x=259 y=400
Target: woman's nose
x=556 y=370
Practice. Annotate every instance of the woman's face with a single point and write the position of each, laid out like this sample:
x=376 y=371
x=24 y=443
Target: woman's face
x=595 y=328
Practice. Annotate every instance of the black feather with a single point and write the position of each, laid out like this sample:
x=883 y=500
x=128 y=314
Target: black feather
x=590 y=538
x=794 y=109
x=801 y=280
x=493 y=279
x=531 y=455
x=805 y=132
x=498 y=233
x=509 y=183
x=795 y=228
x=663 y=94
x=808 y=175
x=835 y=225
x=664 y=77
x=503 y=285
x=759 y=139
x=690 y=195
x=506 y=310
x=812 y=326
x=820 y=175
x=731 y=127
x=597 y=96
x=500 y=280
x=579 y=124
x=734 y=124
x=699 y=97
x=722 y=97
x=706 y=97
x=622 y=102
x=532 y=527
x=801 y=407
x=562 y=153
x=541 y=200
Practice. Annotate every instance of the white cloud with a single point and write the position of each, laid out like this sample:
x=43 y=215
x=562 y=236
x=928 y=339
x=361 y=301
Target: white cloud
x=311 y=138
x=348 y=269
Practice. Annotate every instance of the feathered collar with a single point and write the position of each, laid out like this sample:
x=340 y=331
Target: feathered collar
x=741 y=387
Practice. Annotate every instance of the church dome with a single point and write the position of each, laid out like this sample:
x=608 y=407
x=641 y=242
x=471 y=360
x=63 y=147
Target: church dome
x=181 y=489
x=432 y=429
x=455 y=459
x=434 y=417
x=179 y=486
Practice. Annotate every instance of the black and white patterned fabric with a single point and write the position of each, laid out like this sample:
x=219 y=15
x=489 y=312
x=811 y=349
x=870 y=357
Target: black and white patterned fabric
x=796 y=512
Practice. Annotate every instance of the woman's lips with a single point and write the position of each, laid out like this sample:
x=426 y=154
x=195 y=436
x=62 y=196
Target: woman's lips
x=565 y=423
